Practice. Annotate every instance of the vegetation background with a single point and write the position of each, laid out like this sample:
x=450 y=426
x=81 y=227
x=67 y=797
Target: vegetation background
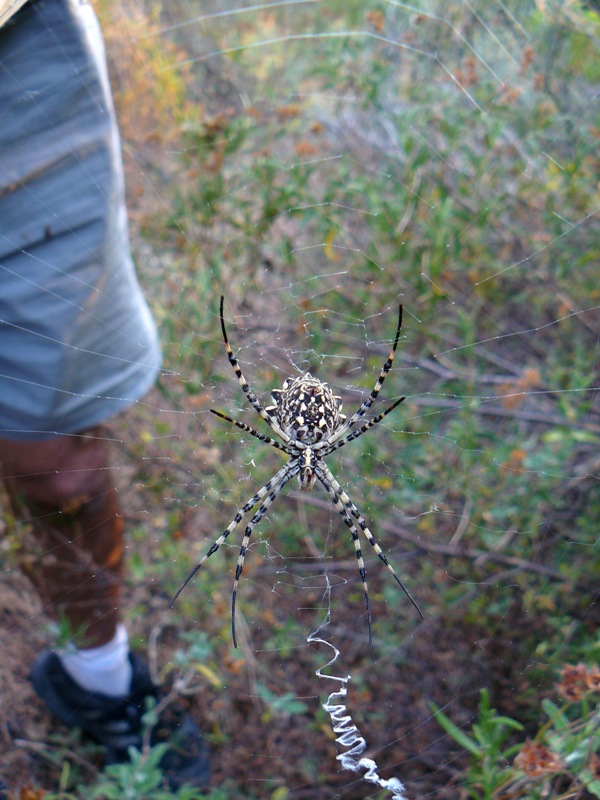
x=318 y=163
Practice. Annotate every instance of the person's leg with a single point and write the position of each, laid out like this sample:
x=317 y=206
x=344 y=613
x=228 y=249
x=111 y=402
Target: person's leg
x=64 y=489
x=77 y=346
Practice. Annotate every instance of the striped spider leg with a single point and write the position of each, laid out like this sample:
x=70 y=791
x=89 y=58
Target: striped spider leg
x=346 y=508
x=267 y=494
x=306 y=416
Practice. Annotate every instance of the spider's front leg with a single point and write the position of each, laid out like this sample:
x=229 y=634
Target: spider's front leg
x=366 y=405
x=249 y=429
x=252 y=398
x=350 y=437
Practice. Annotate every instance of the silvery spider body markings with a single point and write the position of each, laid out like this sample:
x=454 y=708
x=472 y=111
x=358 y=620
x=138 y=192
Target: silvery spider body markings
x=306 y=417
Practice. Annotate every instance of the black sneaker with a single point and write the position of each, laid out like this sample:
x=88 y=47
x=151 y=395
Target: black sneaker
x=116 y=722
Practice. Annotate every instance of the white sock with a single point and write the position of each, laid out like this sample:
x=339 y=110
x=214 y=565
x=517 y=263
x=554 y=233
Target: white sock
x=105 y=669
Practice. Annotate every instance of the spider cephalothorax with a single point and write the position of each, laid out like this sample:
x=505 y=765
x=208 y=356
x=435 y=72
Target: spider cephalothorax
x=306 y=417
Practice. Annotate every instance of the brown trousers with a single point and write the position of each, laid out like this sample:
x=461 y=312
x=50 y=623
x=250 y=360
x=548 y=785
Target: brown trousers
x=73 y=553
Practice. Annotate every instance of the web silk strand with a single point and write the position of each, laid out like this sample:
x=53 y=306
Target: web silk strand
x=347 y=734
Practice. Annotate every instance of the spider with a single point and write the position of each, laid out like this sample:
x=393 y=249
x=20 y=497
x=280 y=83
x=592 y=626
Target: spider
x=308 y=419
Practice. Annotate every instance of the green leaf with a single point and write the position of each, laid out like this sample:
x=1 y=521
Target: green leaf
x=455 y=732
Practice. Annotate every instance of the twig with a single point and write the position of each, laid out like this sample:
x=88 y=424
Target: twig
x=43 y=748
x=464 y=520
x=540 y=417
x=471 y=553
x=452 y=551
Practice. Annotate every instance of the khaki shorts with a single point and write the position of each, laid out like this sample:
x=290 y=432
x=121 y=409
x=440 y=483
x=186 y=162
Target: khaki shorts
x=77 y=342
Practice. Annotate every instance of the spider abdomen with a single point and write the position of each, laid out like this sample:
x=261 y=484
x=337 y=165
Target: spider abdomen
x=306 y=409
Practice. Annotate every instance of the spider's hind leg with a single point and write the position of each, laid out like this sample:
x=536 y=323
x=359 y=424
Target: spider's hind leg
x=347 y=510
x=341 y=509
x=336 y=496
x=270 y=490
x=272 y=494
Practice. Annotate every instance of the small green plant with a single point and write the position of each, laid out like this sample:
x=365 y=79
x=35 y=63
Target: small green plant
x=287 y=704
x=141 y=778
x=489 y=768
x=568 y=743
x=565 y=746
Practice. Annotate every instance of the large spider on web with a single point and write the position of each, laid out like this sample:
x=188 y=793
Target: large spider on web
x=307 y=417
